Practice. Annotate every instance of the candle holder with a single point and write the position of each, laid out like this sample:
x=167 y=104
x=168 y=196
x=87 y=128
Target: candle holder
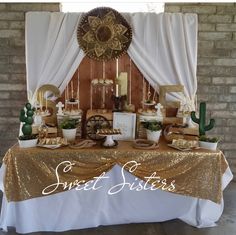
x=118 y=102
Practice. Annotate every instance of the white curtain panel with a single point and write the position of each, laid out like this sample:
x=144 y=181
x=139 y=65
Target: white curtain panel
x=164 y=48
x=52 y=51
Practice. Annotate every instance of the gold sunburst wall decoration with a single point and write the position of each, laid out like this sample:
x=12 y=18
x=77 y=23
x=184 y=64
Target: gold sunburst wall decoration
x=104 y=34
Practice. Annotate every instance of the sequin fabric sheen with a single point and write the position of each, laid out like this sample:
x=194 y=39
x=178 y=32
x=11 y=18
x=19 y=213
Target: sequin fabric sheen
x=195 y=173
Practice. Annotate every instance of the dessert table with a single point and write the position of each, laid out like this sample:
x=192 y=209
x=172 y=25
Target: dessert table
x=65 y=188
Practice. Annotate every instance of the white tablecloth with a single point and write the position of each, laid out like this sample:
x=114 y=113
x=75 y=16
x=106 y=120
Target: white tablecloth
x=83 y=209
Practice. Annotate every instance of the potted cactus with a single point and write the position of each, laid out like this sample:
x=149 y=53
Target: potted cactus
x=153 y=129
x=204 y=141
x=27 y=140
x=69 y=128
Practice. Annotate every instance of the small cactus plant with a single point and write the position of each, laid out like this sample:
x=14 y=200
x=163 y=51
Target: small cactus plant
x=27 y=118
x=202 y=120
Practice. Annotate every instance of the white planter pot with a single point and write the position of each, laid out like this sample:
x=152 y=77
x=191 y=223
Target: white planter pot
x=69 y=134
x=153 y=135
x=28 y=143
x=208 y=145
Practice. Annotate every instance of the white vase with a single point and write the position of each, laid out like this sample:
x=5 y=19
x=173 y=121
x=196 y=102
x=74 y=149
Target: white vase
x=69 y=134
x=208 y=145
x=27 y=143
x=153 y=135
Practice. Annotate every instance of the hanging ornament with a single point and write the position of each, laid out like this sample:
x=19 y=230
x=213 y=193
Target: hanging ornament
x=104 y=34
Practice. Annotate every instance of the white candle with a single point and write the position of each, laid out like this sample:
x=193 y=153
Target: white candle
x=103 y=70
x=130 y=72
x=65 y=98
x=117 y=90
x=46 y=100
x=67 y=92
x=154 y=94
x=78 y=86
x=40 y=101
x=91 y=96
x=72 y=90
x=91 y=89
x=117 y=68
x=143 y=93
x=42 y=98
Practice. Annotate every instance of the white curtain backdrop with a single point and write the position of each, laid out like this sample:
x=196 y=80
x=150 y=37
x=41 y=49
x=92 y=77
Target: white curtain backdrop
x=164 y=48
x=52 y=51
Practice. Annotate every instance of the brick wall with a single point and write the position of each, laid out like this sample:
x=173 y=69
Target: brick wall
x=12 y=66
x=216 y=71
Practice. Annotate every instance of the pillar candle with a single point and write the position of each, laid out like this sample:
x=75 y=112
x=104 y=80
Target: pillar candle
x=154 y=94
x=78 y=85
x=103 y=70
x=91 y=89
x=117 y=68
x=46 y=100
x=72 y=90
x=67 y=91
x=130 y=72
x=65 y=98
x=40 y=101
x=117 y=90
x=143 y=93
x=123 y=82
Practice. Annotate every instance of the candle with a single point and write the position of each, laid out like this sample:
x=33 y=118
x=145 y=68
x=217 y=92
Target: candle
x=143 y=93
x=78 y=88
x=72 y=89
x=122 y=80
x=130 y=72
x=67 y=91
x=117 y=68
x=65 y=99
x=117 y=90
x=40 y=101
x=103 y=70
x=46 y=100
x=154 y=94
x=42 y=98
x=91 y=89
x=91 y=96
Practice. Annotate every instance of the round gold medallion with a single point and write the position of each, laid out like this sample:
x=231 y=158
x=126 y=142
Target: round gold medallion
x=104 y=34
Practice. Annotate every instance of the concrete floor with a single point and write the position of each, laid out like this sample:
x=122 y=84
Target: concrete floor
x=226 y=225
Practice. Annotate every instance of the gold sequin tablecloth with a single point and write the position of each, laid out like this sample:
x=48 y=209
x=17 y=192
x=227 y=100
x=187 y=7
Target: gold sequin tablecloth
x=196 y=173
